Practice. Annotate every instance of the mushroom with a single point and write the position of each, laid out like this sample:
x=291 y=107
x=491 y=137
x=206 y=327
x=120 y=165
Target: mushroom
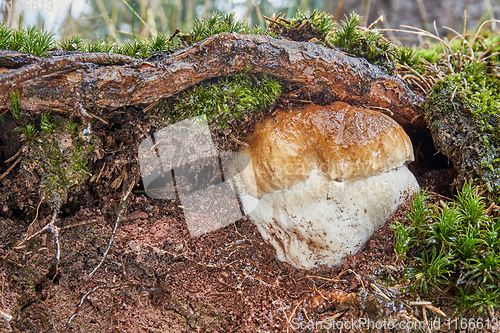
x=320 y=180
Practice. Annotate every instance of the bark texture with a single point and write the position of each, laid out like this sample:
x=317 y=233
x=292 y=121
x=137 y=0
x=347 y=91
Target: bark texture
x=111 y=81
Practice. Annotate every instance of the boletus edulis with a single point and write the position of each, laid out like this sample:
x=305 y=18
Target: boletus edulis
x=322 y=179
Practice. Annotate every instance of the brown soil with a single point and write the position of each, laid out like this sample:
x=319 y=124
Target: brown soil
x=156 y=277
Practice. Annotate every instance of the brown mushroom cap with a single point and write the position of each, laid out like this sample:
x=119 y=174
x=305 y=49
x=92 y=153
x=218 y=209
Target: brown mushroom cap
x=343 y=141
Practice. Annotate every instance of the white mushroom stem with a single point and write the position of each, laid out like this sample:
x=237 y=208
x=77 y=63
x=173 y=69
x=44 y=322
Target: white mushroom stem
x=319 y=221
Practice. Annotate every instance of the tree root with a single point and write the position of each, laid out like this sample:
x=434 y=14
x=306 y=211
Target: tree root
x=110 y=81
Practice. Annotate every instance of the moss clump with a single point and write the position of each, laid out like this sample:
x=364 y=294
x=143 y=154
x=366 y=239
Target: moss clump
x=29 y=40
x=59 y=154
x=456 y=245
x=368 y=44
x=347 y=36
x=38 y=42
x=214 y=25
x=305 y=26
x=225 y=98
x=463 y=113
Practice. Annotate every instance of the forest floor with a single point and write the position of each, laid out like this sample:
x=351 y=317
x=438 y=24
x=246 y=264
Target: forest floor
x=157 y=278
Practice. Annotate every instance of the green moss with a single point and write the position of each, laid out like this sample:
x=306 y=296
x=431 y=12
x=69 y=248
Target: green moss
x=226 y=98
x=463 y=113
x=36 y=41
x=71 y=43
x=47 y=124
x=98 y=45
x=216 y=24
x=348 y=36
x=455 y=246
x=28 y=132
x=15 y=106
x=59 y=155
x=305 y=26
x=30 y=40
x=364 y=43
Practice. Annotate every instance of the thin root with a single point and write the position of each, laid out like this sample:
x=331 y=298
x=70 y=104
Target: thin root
x=10 y=168
x=119 y=216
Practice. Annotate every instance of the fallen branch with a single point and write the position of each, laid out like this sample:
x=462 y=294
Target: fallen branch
x=111 y=81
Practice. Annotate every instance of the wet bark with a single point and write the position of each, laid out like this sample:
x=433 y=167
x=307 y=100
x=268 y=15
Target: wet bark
x=111 y=81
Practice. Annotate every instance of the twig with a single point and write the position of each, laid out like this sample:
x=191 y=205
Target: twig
x=428 y=305
x=380 y=19
x=150 y=106
x=241 y=143
x=66 y=63
x=335 y=279
x=83 y=299
x=490 y=208
x=53 y=229
x=273 y=21
x=119 y=216
x=377 y=289
x=27 y=231
x=322 y=278
x=80 y=224
x=46 y=227
x=99 y=175
x=149 y=82
x=36 y=215
x=386 y=110
x=10 y=168
x=6 y=316
x=358 y=277
x=97 y=117
x=16 y=155
x=283 y=19
x=50 y=315
x=440 y=195
x=289 y=319
x=424 y=313
x=433 y=308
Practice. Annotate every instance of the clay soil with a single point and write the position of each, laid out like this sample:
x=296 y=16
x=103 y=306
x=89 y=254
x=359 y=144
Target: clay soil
x=156 y=277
